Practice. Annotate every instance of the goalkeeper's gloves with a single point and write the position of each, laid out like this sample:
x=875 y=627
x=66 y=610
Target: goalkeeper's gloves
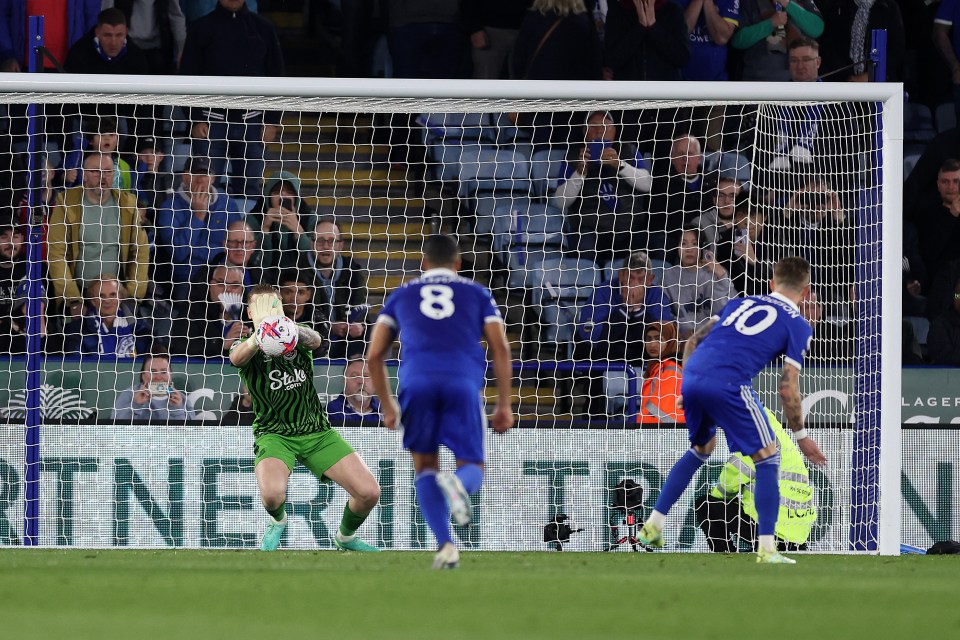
x=264 y=305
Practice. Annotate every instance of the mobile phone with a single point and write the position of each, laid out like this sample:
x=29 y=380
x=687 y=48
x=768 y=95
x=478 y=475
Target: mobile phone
x=287 y=203
x=595 y=148
x=160 y=389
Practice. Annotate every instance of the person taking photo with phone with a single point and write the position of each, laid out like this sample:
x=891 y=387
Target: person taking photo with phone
x=602 y=181
x=153 y=397
x=284 y=221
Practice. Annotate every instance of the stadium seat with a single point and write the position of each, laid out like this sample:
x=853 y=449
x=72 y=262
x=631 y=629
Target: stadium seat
x=535 y=232
x=494 y=215
x=452 y=127
x=946 y=116
x=918 y=122
x=486 y=169
x=729 y=164
x=546 y=166
x=504 y=132
x=921 y=327
x=615 y=389
x=443 y=159
x=560 y=286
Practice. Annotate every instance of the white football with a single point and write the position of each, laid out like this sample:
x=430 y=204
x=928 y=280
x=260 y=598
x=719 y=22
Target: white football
x=277 y=335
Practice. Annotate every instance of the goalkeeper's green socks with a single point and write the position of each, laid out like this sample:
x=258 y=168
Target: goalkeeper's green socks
x=345 y=539
x=351 y=521
x=279 y=513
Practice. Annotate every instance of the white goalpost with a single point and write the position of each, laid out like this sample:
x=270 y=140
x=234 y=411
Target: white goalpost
x=551 y=188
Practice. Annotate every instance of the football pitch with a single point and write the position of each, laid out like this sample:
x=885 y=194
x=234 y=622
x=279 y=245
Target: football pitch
x=324 y=594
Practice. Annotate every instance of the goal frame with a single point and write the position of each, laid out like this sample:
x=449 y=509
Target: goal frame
x=876 y=416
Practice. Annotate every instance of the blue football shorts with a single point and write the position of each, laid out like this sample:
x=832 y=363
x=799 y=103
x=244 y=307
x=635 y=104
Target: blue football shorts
x=734 y=408
x=443 y=410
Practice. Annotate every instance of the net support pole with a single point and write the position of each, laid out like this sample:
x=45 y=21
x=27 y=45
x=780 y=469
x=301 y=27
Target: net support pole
x=890 y=137
x=875 y=466
x=31 y=472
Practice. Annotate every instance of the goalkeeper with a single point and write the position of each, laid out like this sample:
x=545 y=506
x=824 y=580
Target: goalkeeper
x=290 y=424
x=728 y=513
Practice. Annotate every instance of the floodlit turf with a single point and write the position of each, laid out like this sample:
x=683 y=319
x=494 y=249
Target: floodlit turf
x=641 y=596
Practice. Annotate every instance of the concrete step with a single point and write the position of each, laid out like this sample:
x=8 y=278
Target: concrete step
x=356 y=176
x=384 y=284
x=523 y=395
x=308 y=121
x=348 y=204
x=307 y=150
x=412 y=230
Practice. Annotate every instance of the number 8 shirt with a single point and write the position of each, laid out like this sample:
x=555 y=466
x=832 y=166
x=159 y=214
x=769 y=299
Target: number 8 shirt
x=440 y=319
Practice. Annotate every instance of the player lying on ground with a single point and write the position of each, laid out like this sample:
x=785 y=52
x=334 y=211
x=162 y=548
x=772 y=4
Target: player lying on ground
x=720 y=362
x=290 y=424
x=440 y=319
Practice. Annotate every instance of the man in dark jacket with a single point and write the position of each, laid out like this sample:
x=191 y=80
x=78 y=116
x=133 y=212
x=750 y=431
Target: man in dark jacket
x=341 y=287
x=943 y=340
x=233 y=41
x=645 y=40
x=106 y=49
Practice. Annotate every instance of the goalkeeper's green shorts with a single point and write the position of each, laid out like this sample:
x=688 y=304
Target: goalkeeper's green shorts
x=317 y=451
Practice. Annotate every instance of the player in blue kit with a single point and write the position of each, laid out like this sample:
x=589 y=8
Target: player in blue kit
x=440 y=319
x=720 y=361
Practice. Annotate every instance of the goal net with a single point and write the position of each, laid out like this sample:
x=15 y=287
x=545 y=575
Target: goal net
x=609 y=221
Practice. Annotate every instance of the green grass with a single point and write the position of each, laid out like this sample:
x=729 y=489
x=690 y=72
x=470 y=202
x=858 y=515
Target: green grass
x=643 y=596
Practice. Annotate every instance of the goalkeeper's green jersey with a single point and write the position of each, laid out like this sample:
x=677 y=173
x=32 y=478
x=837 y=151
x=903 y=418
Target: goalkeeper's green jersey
x=285 y=401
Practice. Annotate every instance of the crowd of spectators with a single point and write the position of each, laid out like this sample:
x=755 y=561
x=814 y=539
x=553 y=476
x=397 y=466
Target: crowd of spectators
x=150 y=249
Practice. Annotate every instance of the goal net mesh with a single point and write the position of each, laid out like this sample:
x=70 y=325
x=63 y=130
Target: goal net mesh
x=607 y=231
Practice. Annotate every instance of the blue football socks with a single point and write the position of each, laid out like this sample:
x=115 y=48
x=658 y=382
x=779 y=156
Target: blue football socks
x=433 y=505
x=767 y=494
x=680 y=476
x=471 y=477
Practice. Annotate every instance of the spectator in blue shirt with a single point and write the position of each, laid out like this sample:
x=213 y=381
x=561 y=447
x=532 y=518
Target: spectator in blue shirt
x=611 y=326
x=191 y=228
x=358 y=400
x=711 y=24
x=109 y=326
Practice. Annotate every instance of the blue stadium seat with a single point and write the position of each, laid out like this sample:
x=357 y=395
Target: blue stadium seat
x=453 y=126
x=946 y=115
x=504 y=132
x=561 y=286
x=615 y=389
x=526 y=233
x=546 y=166
x=918 y=122
x=729 y=164
x=443 y=159
x=921 y=327
x=524 y=263
x=486 y=169
x=494 y=215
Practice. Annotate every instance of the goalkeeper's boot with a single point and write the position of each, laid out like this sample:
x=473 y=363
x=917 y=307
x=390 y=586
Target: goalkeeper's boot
x=457 y=497
x=650 y=536
x=773 y=557
x=353 y=544
x=271 y=537
x=447 y=558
